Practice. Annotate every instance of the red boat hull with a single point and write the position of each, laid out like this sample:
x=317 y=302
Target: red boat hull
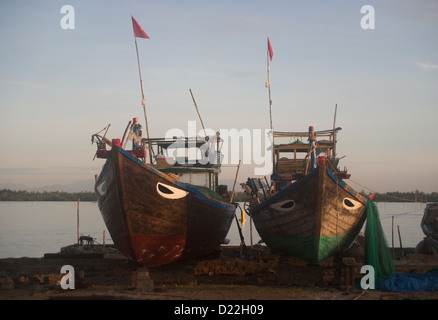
x=153 y=218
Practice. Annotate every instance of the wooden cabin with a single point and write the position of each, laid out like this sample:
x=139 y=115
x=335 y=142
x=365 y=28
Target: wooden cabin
x=292 y=155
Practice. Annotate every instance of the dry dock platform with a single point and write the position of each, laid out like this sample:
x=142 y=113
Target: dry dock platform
x=226 y=275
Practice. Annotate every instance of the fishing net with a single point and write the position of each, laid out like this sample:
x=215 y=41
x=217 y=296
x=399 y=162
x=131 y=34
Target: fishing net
x=377 y=253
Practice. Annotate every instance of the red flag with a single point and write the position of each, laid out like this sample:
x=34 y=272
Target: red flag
x=271 y=52
x=138 y=31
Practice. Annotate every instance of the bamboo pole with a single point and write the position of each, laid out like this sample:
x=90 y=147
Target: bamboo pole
x=268 y=85
x=393 y=237
x=399 y=238
x=235 y=179
x=143 y=102
x=250 y=231
x=199 y=115
x=334 y=133
x=123 y=143
x=77 y=220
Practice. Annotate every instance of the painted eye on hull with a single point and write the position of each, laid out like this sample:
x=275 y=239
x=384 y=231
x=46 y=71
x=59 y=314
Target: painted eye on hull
x=170 y=192
x=286 y=205
x=351 y=204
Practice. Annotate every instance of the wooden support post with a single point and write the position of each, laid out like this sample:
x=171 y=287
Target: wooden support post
x=399 y=238
x=77 y=218
x=393 y=237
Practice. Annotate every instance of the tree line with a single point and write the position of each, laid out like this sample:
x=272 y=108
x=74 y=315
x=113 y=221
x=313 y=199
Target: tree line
x=11 y=195
x=415 y=196
x=22 y=195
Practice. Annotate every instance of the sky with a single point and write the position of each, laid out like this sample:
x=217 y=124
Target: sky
x=59 y=86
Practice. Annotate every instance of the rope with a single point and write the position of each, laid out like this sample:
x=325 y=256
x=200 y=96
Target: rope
x=386 y=195
x=372 y=191
x=401 y=214
x=394 y=197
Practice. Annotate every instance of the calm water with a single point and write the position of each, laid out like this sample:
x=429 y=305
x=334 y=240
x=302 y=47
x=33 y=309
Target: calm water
x=30 y=229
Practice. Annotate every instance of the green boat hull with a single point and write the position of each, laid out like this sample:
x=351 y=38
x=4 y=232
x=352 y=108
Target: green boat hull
x=312 y=219
x=304 y=247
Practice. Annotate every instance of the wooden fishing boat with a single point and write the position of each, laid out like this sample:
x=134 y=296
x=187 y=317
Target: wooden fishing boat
x=309 y=211
x=165 y=211
x=429 y=225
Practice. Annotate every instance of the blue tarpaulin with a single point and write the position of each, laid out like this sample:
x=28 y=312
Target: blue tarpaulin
x=411 y=282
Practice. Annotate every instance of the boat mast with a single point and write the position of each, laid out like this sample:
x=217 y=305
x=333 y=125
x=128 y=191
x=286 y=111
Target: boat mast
x=269 y=56
x=268 y=85
x=140 y=33
x=312 y=147
x=334 y=134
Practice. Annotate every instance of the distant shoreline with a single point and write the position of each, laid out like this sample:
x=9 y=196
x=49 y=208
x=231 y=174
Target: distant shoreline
x=12 y=195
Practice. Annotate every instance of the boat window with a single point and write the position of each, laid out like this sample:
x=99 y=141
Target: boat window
x=351 y=204
x=170 y=192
